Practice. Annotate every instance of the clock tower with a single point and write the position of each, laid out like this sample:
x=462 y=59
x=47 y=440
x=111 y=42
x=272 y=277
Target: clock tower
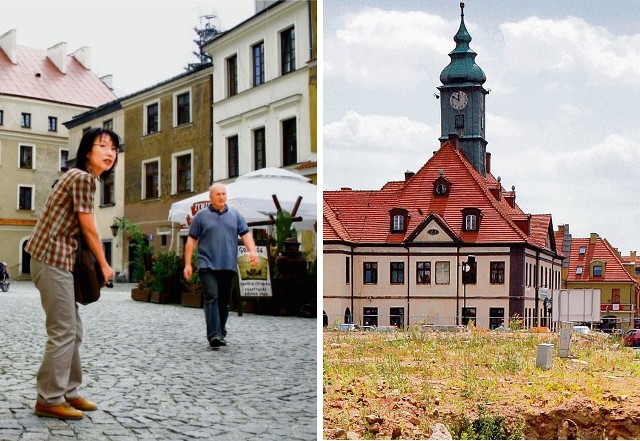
x=462 y=100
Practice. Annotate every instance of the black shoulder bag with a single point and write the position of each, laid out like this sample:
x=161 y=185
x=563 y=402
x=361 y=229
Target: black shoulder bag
x=87 y=276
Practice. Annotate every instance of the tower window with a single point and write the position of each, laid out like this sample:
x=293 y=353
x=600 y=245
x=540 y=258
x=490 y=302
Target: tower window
x=459 y=121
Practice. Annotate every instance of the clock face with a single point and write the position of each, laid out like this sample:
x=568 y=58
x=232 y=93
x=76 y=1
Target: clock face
x=458 y=100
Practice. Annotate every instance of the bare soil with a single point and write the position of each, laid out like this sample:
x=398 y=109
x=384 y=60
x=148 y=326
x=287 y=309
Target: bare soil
x=602 y=401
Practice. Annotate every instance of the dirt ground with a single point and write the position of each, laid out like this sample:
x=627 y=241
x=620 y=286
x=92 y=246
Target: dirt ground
x=616 y=415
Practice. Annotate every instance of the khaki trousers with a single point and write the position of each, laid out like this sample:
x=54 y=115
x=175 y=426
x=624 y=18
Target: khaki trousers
x=60 y=373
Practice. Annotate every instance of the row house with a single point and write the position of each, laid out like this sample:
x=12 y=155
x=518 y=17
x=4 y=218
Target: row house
x=264 y=92
x=166 y=152
x=39 y=91
x=594 y=264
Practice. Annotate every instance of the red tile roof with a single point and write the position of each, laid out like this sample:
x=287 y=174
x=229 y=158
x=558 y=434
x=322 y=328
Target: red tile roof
x=365 y=214
x=36 y=76
x=599 y=250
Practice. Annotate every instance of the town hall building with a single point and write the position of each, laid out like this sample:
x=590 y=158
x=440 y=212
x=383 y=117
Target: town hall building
x=447 y=245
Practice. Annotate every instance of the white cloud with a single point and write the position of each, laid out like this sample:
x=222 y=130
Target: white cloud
x=366 y=151
x=387 y=49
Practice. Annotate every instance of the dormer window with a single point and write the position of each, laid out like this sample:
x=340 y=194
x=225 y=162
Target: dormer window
x=471 y=217
x=597 y=268
x=399 y=219
x=583 y=250
x=579 y=270
x=441 y=186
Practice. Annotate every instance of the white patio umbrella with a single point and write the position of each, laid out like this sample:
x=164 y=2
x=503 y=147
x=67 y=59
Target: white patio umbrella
x=251 y=194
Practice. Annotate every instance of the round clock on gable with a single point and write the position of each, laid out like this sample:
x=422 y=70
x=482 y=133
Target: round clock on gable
x=458 y=100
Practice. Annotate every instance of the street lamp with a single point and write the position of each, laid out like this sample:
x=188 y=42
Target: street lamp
x=115 y=226
x=468 y=276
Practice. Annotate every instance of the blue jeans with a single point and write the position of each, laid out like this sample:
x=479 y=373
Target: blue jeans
x=217 y=287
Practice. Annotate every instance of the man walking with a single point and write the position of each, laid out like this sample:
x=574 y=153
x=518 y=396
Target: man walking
x=216 y=230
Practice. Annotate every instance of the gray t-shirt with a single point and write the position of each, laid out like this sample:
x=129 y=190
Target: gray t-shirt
x=217 y=235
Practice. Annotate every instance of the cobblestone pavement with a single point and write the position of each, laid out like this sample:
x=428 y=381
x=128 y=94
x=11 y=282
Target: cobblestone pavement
x=150 y=369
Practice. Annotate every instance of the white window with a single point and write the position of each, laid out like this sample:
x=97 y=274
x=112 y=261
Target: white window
x=583 y=249
x=470 y=222
x=442 y=273
x=398 y=222
x=579 y=270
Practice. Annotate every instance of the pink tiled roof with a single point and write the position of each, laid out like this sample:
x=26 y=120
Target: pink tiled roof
x=79 y=86
x=365 y=214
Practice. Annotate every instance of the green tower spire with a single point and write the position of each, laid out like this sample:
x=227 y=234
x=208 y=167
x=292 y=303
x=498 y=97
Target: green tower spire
x=462 y=98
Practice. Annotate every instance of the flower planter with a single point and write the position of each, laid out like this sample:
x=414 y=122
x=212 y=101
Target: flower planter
x=140 y=294
x=160 y=297
x=192 y=299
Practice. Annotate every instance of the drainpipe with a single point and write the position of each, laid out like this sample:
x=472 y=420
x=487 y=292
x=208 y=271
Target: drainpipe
x=535 y=281
x=309 y=11
x=457 y=288
x=408 y=285
x=353 y=281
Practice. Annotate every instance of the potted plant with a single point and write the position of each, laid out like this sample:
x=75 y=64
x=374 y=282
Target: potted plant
x=142 y=292
x=192 y=292
x=166 y=278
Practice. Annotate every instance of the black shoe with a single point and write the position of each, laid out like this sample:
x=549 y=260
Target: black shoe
x=215 y=342
x=223 y=342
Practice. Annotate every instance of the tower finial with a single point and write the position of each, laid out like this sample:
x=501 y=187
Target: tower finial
x=461 y=9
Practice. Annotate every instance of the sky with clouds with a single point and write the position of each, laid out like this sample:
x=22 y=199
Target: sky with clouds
x=139 y=42
x=563 y=114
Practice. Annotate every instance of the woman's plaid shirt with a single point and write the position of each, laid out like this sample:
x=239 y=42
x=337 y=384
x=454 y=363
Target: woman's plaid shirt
x=54 y=239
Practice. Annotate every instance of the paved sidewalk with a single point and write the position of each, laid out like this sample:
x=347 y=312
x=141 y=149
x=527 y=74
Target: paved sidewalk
x=151 y=370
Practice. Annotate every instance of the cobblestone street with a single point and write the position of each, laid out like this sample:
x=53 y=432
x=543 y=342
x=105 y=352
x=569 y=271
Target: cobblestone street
x=151 y=371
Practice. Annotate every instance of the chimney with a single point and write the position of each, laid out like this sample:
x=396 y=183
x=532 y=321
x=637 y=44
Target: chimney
x=345 y=188
x=632 y=256
x=83 y=55
x=593 y=238
x=8 y=45
x=561 y=230
x=58 y=56
x=408 y=175
x=487 y=161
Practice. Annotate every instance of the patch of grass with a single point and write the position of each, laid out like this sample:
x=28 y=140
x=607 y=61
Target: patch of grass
x=429 y=377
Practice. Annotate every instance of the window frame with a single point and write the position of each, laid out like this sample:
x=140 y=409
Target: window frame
x=289 y=128
x=370 y=271
x=62 y=161
x=146 y=116
x=176 y=172
x=423 y=271
x=259 y=148
x=144 y=178
x=231 y=63
x=180 y=108
x=52 y=123
x=396 y=273
x=22 y=161
x=443 y=270
x=1 y=117
x=233 y=156
x=32 y=189
x=108 y=187
x=497 y=274
x=25 y=120
x=257 y=64
x=288 y=50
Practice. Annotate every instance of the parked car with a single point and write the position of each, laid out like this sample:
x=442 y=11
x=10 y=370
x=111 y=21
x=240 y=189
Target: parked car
x=632 y=338
x=581 y=329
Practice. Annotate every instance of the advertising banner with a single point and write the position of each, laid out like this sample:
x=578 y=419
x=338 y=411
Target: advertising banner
x=254 y=281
